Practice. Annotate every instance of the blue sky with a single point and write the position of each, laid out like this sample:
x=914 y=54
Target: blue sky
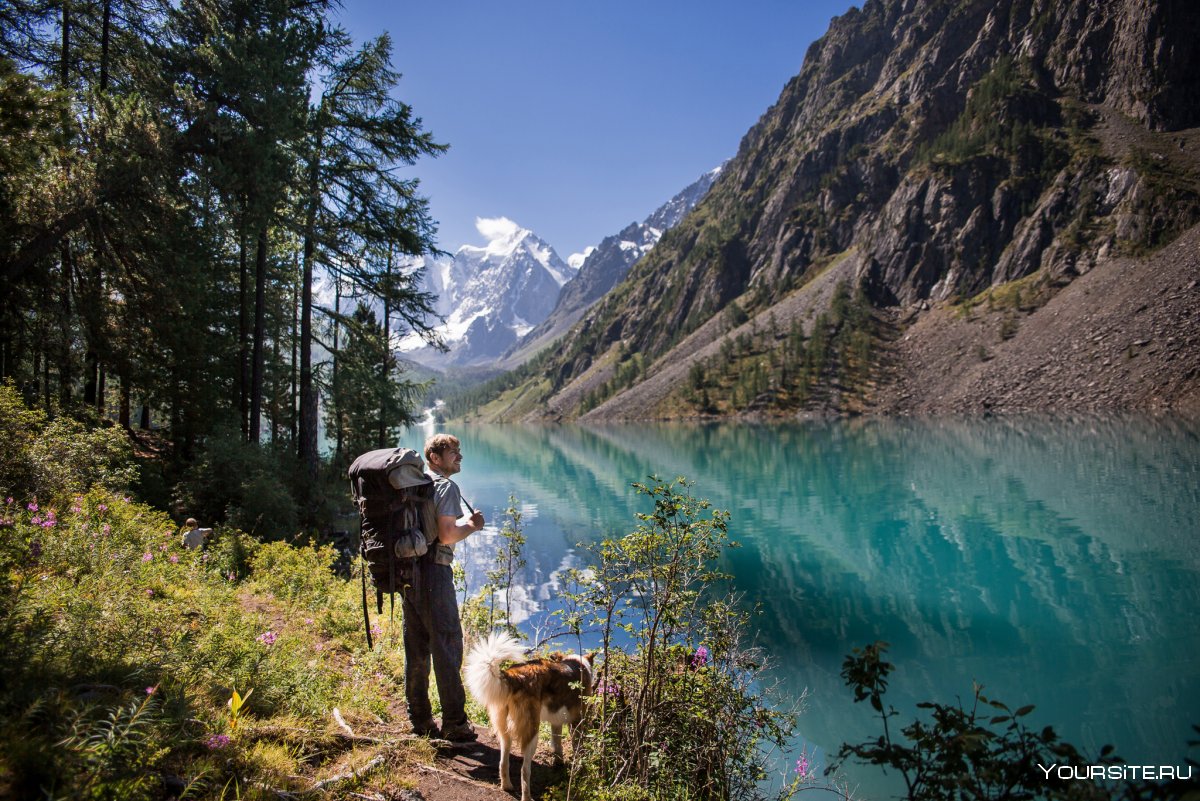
x=574 y=119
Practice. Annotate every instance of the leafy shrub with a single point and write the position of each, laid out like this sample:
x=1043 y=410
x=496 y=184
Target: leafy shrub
x=301 y=575
x=979 y=751
x=51 y=459
x=682 y=715
x=242 y=485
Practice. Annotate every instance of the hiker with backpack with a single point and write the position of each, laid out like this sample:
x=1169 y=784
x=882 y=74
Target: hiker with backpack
x=431 y=624
x=411 y=519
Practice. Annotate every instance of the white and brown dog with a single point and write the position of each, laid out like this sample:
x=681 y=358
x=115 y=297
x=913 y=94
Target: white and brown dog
x=519 y=693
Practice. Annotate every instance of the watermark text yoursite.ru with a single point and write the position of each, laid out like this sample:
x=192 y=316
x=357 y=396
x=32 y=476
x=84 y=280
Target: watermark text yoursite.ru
x=1118 y=772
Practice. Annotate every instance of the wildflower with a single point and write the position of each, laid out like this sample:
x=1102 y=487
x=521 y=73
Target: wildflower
x=163 y=547
x=230 y=575
x=700 y=658
x=319 y=646
x=126 y=499
x=9 y=500
x=802 y=767
x=149 y=593
x=151 y=690
x=268 y=637
x=33 y=507
x=107 y=529
x=174 y=559
x=308 y=621
x=217 y=741
x=103 y=507
x=376 y=630
x=36 y=520
x=49 y=522
x=147 y=557
x=76 y=509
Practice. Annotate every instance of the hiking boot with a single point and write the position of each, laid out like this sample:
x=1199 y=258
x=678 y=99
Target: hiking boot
x=426 y=728
x=462 y=733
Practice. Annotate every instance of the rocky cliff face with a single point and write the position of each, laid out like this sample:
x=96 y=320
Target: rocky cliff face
x=934 y=150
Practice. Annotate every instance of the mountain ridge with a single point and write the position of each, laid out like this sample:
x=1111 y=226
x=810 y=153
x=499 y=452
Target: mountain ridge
x=936 y=151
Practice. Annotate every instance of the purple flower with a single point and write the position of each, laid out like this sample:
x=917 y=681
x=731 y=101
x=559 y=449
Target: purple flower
x=217 y=741
x=147 y=557
x=33 y=507
x=76 y=509
x=151 y=690
x=36 y=520
x=9 y=500
x=174 y=559
x=50 y=523
x=700 y=658
x=149 y=593
x=268 y=637
x=163 y=547
x=107 y=529
x=102 y=507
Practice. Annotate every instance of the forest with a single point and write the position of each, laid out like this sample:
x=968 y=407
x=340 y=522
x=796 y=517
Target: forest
x=208 y=213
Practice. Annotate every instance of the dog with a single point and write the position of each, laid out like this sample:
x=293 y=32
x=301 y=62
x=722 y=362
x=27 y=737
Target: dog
x=519 y=693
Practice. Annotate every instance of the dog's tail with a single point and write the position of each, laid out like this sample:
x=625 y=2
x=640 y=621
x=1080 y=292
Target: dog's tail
x=484 y=664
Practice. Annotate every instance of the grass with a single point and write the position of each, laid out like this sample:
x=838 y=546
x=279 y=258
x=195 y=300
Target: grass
x=123 y=650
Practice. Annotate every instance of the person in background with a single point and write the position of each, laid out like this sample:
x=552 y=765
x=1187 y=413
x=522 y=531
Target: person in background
x=431 y=625
x=193 y=536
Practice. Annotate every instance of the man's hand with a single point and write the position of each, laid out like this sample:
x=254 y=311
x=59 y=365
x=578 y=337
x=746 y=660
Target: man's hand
x=477 y=520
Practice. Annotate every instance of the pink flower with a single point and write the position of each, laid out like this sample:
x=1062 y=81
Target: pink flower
x=76 y=509
x=107 y=529
x=268 y=637
x=36 y=520
x=216 y=742
x=151 y=690
x=163 y=547
x=700 y=658
x=33 y=507
x=102 y=507
x=308 y=621
x=319 y=646
x=51 y=523
x=149 y=593
x=9 y=500
x=174 y=559
x=147 y=557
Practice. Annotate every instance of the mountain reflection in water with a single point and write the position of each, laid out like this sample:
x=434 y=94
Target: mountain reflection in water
x=1054 y=561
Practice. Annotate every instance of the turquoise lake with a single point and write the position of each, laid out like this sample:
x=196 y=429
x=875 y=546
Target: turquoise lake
x=1054 y=561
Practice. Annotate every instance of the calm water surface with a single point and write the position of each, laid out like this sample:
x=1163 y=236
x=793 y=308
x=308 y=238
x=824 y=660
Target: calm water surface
x=1056 y=562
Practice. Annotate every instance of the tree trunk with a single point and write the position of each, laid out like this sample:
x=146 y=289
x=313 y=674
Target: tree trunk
x=144 y=422
x=339 y=429
x=259 y=355
x=292 y=410
x=124 y=417
x=387 y=349
x=243 y=381
x=307 y=445
x=105 y=35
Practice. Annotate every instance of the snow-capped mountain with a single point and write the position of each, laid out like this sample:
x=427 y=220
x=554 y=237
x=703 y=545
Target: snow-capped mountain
x=602 y=267
x=491 y=296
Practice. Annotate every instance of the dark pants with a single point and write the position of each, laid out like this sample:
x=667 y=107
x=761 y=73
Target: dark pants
x=432 y=629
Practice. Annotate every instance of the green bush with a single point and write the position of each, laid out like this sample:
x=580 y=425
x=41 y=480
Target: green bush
x=242 y=485
x=51 y=459
x=681 y=715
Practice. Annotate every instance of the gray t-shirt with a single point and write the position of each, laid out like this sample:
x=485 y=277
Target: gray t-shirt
x=447 y=499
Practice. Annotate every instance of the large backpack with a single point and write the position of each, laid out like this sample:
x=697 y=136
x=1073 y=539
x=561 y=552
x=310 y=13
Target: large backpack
x=398 y=526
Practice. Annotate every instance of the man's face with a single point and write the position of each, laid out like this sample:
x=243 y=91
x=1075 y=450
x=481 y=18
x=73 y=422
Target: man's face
x=448 y=462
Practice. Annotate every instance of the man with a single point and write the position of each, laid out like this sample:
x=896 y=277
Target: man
x=431 y=625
